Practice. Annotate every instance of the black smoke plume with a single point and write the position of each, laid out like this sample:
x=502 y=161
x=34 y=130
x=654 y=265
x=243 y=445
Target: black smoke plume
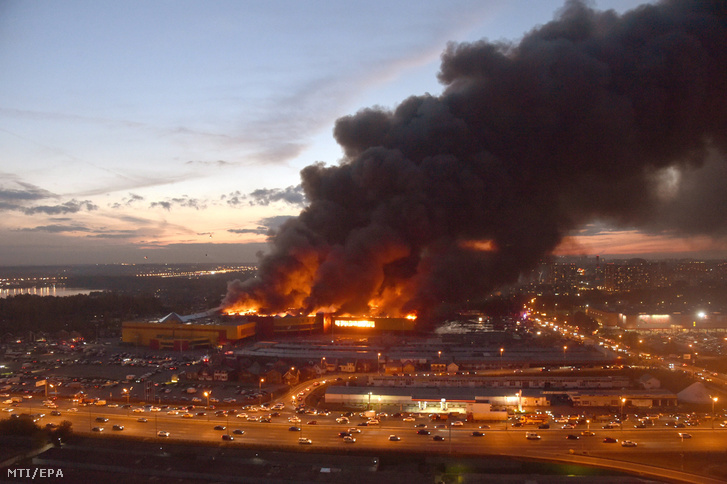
x=594 y=115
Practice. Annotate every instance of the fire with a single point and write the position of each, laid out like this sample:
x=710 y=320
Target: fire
x=411 y=316
x=481 y=245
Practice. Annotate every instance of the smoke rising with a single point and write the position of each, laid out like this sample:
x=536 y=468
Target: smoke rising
x=594 y=115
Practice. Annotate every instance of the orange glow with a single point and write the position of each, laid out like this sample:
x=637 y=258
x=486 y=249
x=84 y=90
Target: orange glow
x=481 y=245
x=362 y=323
x=411 y=316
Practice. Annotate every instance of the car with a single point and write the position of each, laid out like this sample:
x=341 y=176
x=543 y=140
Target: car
x=201 y=414
x=238 y=432
x=220 y=427
x=684 y=435
x=354 y=430
x=628 y=443
x=162 y=433
x=420 y=426
x=102 y=419
x=341 y=420
x=138 y=410
x=440 y=426
x=408 y=419
x=438 y=438
x=568 y=426
x=477 y=433
x=51 y=425
x=97 y=429
x=312 y=422
x=56 y=413
x=485 y=427
x=587 y=433
x=543 y=426
x=344 y=434
x=373 y=422
x=363 y=424
x=142 y=420
x=680 y=425
x=394 y=438
x=294 y=429
x=349 y=439
x=457 y=423
x=117 y=427
x=227 y=437
x=610 y=440
x=187 y=415
x=423 y=432
x=571 y=437
x=532 y=436
x=304 y=441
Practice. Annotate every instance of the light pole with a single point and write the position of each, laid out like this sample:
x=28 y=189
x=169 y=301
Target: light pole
x=564 y=349
x=260 y=391
x=378 y=363
x=207 y=396
x=369 y=408
x=502 y=350
x=714 y=400
x=623 y=400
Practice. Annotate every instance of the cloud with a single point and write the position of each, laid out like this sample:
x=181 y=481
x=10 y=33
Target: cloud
x=57 y=228
x=128 y=201
x=25 y=193
x=72 y=206
x=292 y=195
x=266 y=226
x=257 y=231
x=183 y=201
x=217 y=163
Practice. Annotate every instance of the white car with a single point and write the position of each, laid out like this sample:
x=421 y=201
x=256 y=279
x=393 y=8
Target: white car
x=628 y=443
x=532 y=436
x=162 y=433
x=408 y=419
x=685 y=435
x=457 y=423
x=349 y=440
x=304 y=441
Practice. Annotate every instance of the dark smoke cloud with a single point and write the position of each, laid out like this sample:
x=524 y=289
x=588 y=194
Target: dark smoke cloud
x=593 y=116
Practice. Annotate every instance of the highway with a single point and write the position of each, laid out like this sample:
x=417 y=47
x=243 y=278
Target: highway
x=324 y=434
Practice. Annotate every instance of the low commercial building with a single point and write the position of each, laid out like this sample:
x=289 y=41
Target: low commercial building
x=625 y=398
x=175 y=332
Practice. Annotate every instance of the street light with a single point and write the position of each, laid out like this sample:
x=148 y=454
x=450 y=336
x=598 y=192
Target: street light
x=564 y=348
x=714 y=400
x=378 y=363
x=623 y=400
x=260 y=390
x=207 y=395
x=502 y=350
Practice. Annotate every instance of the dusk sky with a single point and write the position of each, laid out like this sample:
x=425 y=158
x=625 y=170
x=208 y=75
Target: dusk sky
x=175 y=131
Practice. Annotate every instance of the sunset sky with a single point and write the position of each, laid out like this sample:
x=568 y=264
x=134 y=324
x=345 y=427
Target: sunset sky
x=160 y=131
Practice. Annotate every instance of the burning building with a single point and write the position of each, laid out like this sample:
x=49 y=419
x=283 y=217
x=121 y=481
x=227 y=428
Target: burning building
x=594 y=116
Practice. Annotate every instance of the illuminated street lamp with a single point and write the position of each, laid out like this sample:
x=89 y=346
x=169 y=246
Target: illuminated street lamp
x=623 y=401
x=378 y=363
x=564 y=349
x=502 y=350
x=260 y=390
x=714 y=400
x=207 y=395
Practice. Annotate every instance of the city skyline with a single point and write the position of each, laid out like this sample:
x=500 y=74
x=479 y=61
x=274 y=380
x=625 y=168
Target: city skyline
x=155 y=132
